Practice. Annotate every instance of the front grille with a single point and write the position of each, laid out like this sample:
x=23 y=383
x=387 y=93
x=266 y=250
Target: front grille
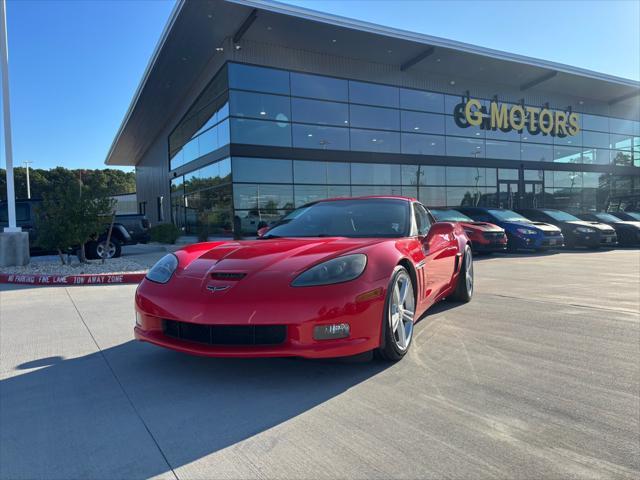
x=228 y=275
x=551 y=233
x=493 y=235
x=225 y=334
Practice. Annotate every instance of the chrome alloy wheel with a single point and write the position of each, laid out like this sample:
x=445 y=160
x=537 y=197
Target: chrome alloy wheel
x=105 y=252
x=468 y=269
x=401 y=311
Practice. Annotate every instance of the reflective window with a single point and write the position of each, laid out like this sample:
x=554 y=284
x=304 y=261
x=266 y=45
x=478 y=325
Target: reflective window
x=375 y=174
x=562 y=179
x=409 y=191
x=375 y=141
x=624 y=142
x=595 y=139
x=363 y=191
x=208 y=141
x=335 y=191
x=264 y=197
x=372 y=94
x=324 y=138
x=452 y=101
x=511 y=135
x=422 y=144
x=374 y=117
x=507 y=174
x=314 y=86
x=566 y=154
x=534 y=175
x=248 y=77
x=467 y=175
x=623 y=158
x=465 y=147
x=258 y=132
x=503 y=150
x=537 y=138
x=595 y=179
x=338 y=173
x=452 y=128
x=320 y=112
x=619 y=125
x=421 y=100
x=410 y=174
x=570 y=140
x=464 y=196
x=601 y=156
x=309 y=193
x=595 y=122
x=417 y=122
x=309 y=172
x=536 y=152
x=432 y=175
x=433 y=196
x=259 y=105
x=262 y=170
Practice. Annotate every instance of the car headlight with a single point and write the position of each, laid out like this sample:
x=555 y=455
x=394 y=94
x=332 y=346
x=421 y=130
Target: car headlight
x=526 y=231
x=585 y=230
x=336 y=270
x=163 y=269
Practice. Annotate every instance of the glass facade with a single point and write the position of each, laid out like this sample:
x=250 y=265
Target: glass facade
x=258 y=106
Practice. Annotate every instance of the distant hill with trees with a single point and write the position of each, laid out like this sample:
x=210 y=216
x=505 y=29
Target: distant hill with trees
x=102 y=182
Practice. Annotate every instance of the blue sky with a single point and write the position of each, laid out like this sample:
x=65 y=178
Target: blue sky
x=75 y=64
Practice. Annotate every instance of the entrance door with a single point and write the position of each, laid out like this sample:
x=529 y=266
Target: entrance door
x=532 y=197
x=508 y=194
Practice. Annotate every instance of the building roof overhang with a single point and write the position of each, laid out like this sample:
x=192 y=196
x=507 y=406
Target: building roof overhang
x=196 y=28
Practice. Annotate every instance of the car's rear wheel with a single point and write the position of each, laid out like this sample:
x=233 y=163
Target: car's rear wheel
x=464 y=286
x=399 y=315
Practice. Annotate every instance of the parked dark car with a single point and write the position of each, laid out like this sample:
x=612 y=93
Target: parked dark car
x=628 y=216
x=522 y=233
x=577 y=233
x=628 y=232
x=127 y=230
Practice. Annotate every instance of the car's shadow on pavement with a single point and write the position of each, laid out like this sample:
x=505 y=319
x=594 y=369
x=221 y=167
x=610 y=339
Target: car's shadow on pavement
x=87 y=418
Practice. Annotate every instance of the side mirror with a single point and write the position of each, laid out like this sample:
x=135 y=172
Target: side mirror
x=262 y=231
x=440 y=228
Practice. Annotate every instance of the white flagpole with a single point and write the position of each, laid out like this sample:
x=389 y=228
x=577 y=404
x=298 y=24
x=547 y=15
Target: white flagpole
x=8 y=149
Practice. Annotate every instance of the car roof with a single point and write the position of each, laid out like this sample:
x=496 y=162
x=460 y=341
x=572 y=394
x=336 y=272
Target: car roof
x=366 y=197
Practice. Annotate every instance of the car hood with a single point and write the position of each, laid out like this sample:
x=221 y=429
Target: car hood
x=482 y=226
x=602 y=227
x=275 y=256
x=545 y=227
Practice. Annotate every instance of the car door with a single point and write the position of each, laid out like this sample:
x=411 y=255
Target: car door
x=439 y=252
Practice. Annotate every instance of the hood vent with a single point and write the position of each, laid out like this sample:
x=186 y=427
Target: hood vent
x=228 y=275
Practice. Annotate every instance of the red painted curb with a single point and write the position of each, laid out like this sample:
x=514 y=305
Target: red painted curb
x=82 y=279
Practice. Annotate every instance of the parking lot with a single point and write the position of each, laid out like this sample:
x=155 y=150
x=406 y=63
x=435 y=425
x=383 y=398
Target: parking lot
x=539 y=376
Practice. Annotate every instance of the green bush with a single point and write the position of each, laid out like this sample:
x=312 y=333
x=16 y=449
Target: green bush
x=165 y=233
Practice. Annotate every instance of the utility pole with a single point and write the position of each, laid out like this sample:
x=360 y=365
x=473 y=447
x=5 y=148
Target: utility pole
x=26 y=163
x=8 y=149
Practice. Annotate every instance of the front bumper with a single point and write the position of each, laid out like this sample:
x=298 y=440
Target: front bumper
x=298 y=315
x=536 y=242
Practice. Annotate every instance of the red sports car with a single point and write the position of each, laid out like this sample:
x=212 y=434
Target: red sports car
x=485 y=237
x=333 y=278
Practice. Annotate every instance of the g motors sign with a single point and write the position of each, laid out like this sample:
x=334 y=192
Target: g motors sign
x=517 y=117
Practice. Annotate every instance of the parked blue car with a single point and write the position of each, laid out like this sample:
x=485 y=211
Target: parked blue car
x=521 y=232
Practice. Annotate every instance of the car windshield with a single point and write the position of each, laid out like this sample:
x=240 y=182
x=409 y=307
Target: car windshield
x=634 y=215
x=508 y=216
x=606 y=217
x=374 y=217
x=560 y=215
x=450 y=216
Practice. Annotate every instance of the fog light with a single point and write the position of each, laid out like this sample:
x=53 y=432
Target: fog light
x=329 y=332
x=138 y=319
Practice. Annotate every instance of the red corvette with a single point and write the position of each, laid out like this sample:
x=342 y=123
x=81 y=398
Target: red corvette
x=333 y=278
x=485 y=237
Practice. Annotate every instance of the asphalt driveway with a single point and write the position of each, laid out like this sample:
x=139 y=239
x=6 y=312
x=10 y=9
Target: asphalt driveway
x=537 y=377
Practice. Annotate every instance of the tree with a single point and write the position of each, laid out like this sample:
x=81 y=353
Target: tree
x=69 y=216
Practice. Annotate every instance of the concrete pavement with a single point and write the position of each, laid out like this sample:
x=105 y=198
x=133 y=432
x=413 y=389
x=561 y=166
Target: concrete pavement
x=537 y=377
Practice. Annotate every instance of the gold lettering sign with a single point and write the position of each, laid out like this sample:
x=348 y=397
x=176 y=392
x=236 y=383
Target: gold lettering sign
x=516 y=117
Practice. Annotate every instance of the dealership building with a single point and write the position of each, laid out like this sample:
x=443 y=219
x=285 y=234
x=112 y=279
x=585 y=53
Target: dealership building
x=249 y=109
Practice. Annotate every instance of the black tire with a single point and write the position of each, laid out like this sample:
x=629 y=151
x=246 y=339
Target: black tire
x=114 y=250
x=90 y=250
x=389 y=349
x=464 y=288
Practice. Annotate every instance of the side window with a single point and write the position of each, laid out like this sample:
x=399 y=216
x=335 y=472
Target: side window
x=422 y=219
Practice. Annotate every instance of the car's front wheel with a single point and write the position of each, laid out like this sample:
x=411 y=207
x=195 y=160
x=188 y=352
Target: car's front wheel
x=399 y=315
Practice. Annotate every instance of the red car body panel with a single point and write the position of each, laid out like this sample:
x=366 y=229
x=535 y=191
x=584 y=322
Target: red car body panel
x=264 y=295
x=476 y=231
